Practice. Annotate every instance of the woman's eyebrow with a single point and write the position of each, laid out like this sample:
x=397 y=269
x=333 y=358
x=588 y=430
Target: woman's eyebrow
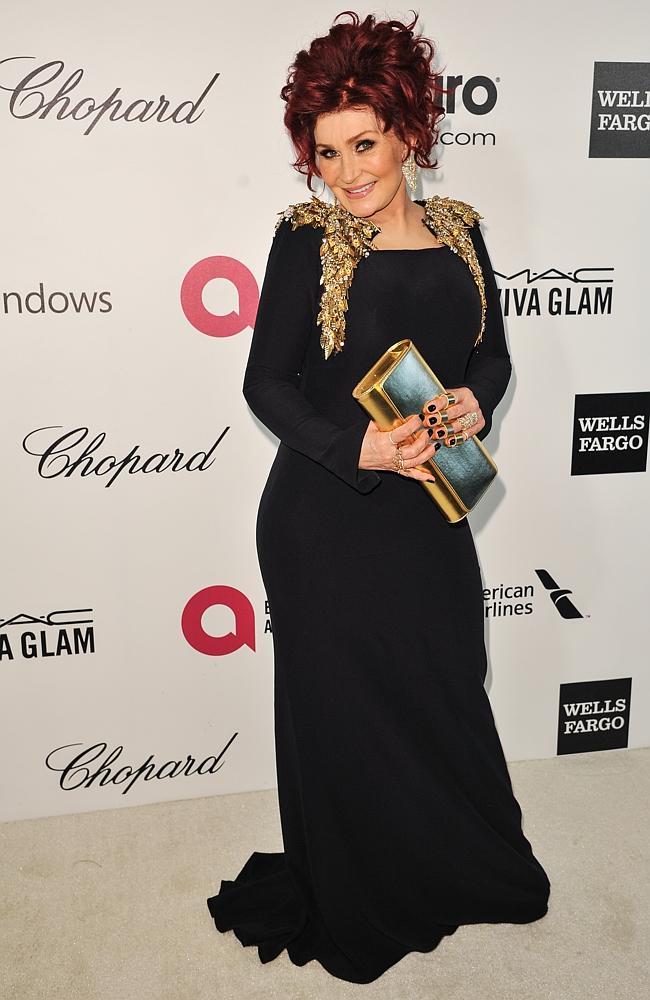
x=354 y=137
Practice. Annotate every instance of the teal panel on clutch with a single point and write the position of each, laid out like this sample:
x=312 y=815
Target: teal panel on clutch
x=410 y=385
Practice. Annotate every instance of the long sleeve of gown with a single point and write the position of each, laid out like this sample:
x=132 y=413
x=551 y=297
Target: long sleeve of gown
x=285 y=320
x=489 y=367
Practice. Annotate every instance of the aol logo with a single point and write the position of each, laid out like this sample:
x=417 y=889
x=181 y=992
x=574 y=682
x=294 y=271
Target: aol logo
x=242 y=632
x=242 y=280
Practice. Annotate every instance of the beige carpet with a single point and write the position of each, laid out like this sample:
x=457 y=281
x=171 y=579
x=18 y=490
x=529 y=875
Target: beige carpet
x=111 y=904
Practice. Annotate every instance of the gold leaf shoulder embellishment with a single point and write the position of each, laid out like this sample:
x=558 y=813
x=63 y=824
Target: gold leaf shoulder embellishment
x=346 y=239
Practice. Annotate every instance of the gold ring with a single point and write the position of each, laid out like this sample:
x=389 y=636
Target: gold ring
x=468 y=419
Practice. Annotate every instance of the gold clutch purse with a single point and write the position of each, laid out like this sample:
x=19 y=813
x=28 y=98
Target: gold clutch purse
x=399 y=384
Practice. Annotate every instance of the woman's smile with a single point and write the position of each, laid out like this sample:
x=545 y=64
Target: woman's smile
x=360 y=192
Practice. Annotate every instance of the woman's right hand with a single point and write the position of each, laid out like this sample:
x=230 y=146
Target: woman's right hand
x=417 y=443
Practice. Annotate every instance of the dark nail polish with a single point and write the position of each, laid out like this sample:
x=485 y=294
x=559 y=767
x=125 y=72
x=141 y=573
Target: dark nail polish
x=441 y=432
x=421 y=416
x=431 y=407
x=438 y=444
x=429 y=431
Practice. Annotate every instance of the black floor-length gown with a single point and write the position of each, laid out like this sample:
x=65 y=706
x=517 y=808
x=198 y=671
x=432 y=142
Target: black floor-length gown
x=398 y=816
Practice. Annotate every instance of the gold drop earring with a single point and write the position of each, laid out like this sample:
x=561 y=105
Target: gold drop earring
x=410 y=169
x=320 y=196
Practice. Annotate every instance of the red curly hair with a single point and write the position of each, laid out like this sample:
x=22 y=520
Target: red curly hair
x=381 y=65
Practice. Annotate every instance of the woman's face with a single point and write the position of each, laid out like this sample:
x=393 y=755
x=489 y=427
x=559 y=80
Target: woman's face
x=360 y=164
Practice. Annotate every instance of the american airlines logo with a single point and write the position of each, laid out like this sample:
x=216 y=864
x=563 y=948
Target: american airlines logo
x=559 y=596
x=515 y=600
x=620 y=110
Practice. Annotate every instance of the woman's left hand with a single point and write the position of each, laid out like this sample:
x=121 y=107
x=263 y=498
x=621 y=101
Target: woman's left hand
x=441 y=416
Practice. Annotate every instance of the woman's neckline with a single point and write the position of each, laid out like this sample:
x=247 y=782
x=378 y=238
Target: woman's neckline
x=408 y=249
x=421 y=202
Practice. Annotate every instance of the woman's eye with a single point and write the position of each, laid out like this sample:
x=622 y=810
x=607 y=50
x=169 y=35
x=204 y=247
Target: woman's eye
x=328 y=153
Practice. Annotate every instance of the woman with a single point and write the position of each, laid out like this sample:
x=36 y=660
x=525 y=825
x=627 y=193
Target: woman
x=398 y=816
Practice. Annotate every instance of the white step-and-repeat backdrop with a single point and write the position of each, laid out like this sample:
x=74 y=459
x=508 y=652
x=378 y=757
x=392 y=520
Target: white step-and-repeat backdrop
x=145 y=162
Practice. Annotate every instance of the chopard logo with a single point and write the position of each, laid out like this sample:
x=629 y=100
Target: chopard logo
x=47 y=91
x=87 y=767
x=585 y=291
x=55 y=457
